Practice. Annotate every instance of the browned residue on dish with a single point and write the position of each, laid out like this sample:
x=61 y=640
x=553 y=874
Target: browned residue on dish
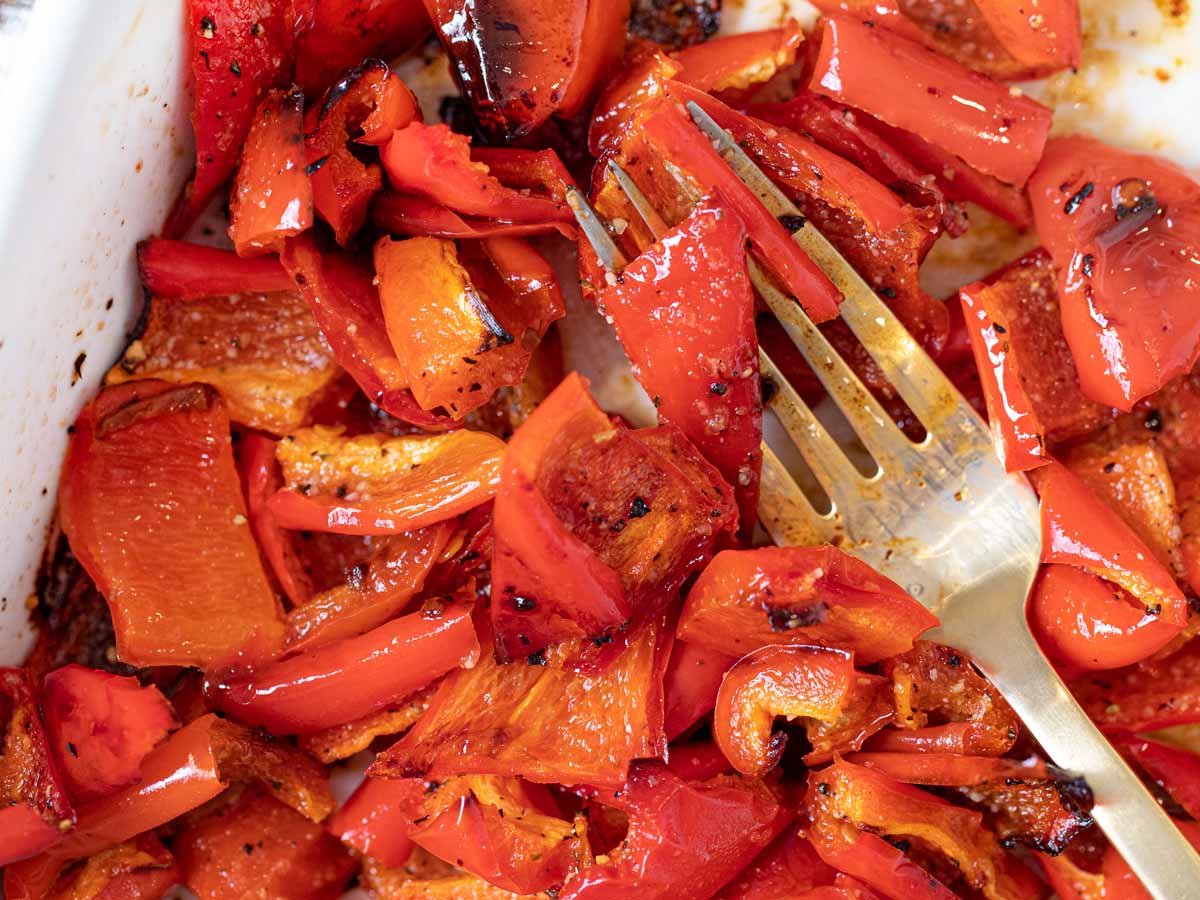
x=1174 y=11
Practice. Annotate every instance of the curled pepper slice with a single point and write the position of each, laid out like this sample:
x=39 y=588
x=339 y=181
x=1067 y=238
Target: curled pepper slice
x=792 y=681
x=185 y=271
x=332 y=35
x=737 y=62
x=259 y=471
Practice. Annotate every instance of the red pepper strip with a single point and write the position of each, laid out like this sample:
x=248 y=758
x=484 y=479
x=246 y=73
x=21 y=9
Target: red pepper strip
x=685 y=840
x=707 y=381
x=589 y=722
x=194 y=765
x=789 y=867
x=1114 y=880
x=184 y=271
x=1045 y=35
x=1080 y=529
x=260 y=480
x=378 y=588
x=938 y=680
x=1123 y=229
x=149 y=466
x=333 y=35
x=373 y=484
x=343 y=741
x=434 y=162
x=416 y=216
x=1085 y=622
x=272 y=199
x=913 y=88
x=238 y=51
x=375 y=820
x=350 y=678
x=1155 y=693
x=671 y=133
x=142 y=869
x=739 y=61
x=1029 y=378
x=345 y=302
x=101 y=726
x=367 y=105
x=693 y=678
x=1174 y=770
x=288 y=857
x=796 y=682
x=869 y=709
x=1187 y=496
x=845 y=796
x=39 y=812
x=539 y=172
x=747 y=599
x=698 y=762
x=646 y=70
x=549 y=584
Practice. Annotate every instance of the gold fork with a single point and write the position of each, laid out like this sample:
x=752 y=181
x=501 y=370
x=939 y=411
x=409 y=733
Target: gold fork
x=939 y=516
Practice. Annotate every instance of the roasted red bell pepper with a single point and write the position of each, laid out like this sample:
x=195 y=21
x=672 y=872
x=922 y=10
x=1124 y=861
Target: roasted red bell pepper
x=141 y=869
x=1123 y=229
x=1175 y=770
x=374 y=484
x=736 y=62
x=869 y=708
x=1029 y=378
x=416 y=216
x=343 y=741
x=37 y=811
x=333 y=35
x=1045 y=36
x=686 y=840
x=179 y=270
x=796 y=682
x=194 y=765
x=586 y=726
x=1085 y=622
x=690 y=685
x=706 y=380
x=378 y=589
x=746 y=599
x=789 y=867
x=374 y=820
x=998 y=132
x=644 y=71
x=345 y=302
x=256 y=845
x=262 y=351
x=101 y=727
x=1080 y=529
x=491 y=303
x=346 y=679
x=366 y=105
x=149 y=467
x=433 y=162
x=1155 y=693
x=932 y=681
x=272 y=198
x=1029 y=802
x=259 y=472
x=698 y=761
x=520 y=63
x=238 y=51
x=845 y=797
x=1111 y=880
x=1187 y=496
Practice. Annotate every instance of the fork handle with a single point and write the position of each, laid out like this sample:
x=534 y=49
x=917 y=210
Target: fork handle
x=1131 y=818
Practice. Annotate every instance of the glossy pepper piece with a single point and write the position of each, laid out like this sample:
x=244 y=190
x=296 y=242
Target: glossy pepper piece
x=263 y=353
x=1029 y=378
x=1080 y=529
x=185 y=271
x=272 y=198
x=150 y=466
x=869 y=708
x=290 y=858
x=995 y=131
x=1043 y=35
x=141 y=869
x=793 y=681
x=374 y=820
x=38 y=810
x=705 y=380
x=790 y=867
x=346 y=679
x=365 y=106
x=747 y=599
x=1175 y=770
x=1112 y=880
x=333 y=35
x=1124 y=231
x=737 y=62
x=237 y=52
x=375 y=484
x=685 y=839
x=259 y=471
x=419 y=217
x=520 y=63
x=100 y=727
x=589 y=724
x=1155 y=693
x=343 y=741
x=690 y=685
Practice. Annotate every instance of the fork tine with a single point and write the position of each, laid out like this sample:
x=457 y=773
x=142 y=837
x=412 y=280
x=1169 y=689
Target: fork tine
x=593 y=229
x=786 y=513
x=914 y=375
x=641 y=203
